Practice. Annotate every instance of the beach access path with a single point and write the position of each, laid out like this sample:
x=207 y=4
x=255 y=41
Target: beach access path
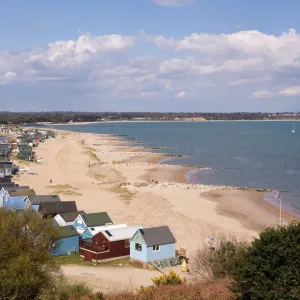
x=110 y=279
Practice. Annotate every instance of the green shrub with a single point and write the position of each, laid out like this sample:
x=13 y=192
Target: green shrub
x=26 y=265
x=270 y=268
x=226 y=258
x=168 y=279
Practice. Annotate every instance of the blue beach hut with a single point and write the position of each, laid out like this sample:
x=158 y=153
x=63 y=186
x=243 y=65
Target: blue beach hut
x=67 y=243
x=151 y=244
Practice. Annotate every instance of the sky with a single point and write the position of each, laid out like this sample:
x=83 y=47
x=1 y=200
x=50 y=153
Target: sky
x=150 y=55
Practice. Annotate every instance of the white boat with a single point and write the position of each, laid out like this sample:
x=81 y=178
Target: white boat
x=294 y=129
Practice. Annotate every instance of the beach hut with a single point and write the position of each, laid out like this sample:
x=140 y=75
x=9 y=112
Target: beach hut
x=10 y=203
x=112 y=241
x=8 y=185
x=28 y=155
x=67 y=242
x=16 y=188
x=84 y=221
x=51 y=209
x=17 y=192
x=152 y=244
x=68 y=218
x=5 y=168
x=90 y=232
x=5 y=150
x=35 y=200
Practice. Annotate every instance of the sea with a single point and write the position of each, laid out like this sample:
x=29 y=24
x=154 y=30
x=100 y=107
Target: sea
x=252 y=154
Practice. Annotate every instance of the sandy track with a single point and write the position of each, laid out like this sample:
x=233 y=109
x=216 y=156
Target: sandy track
x=110 y=278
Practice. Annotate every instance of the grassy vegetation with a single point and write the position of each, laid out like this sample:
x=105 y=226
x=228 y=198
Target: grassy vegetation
x=140 y=184
x=65 y=134
x=92 y=154
x=98 y=176
x=117 y=162
x=77 y=260
x=124 y=193
x=64 y=189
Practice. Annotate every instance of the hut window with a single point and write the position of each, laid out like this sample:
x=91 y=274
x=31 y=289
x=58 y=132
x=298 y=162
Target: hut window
x=127 y=244
x=138 y=247
x=156 y=248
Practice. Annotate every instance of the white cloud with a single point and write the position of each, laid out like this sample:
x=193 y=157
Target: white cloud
x=106 y=67
x=291 y=91
x=263 y=94
x=147 y=94
x=206 y=84
x=174 y=2
x=281 y=50
x=181 y=94
x=77 y=52
x=191 y=66
x=238 y=82
x=8 y=77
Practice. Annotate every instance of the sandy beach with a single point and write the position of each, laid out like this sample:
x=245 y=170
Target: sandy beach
x=101 y=173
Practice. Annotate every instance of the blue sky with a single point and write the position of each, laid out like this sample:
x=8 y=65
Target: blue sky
x=150 y=55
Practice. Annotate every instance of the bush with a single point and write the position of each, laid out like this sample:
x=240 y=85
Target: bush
x=64 y=291
x=271 y=266
x=226 y=258
x=26 y=266
x=216 y=290
x=207 y=264
x=171 y=279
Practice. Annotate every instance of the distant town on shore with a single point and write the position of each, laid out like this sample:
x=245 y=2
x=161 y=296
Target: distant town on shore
x=77 y=117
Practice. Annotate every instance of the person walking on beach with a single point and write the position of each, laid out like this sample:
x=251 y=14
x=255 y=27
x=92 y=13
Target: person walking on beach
x=50 y=180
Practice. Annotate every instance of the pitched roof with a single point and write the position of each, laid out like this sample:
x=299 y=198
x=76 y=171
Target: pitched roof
x=4 y=185
x=70 y=217
x=96 y=229
x=21 y=192
x=54 y=223
x=119 y=234
x=50 y=208
x=12 y=188
x=5 y=179
x=67 y=231
x=37 y=199
x=157 y=236
x=96 y=219
x=6 y=163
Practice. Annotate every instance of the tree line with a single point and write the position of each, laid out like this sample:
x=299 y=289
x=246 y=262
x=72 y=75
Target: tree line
x=65 y=117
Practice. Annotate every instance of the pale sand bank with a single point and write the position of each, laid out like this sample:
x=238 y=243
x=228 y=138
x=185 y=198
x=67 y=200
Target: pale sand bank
x=90 y=169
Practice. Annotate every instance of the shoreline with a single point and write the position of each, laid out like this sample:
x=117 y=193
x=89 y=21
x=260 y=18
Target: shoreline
x=182 y=172
x=99 y=176
x=159 y=121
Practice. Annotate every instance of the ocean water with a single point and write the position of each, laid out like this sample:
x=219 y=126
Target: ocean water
x=262 y=155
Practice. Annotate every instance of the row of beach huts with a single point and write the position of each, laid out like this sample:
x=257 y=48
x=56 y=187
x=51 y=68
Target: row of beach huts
x=93 y=235
x=20 y=143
